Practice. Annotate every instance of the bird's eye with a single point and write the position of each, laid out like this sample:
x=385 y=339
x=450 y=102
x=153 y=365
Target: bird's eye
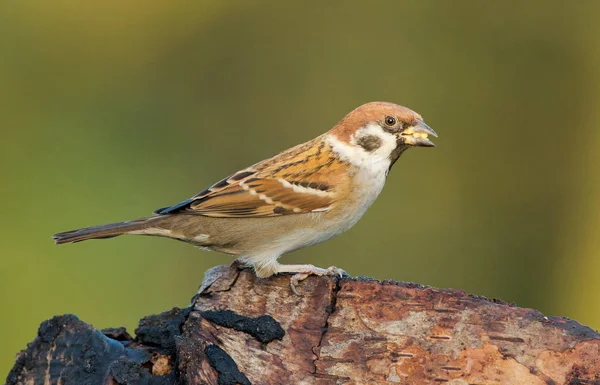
x=390 y=120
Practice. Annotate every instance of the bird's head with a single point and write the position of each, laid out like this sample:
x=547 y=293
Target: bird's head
x=382 y=131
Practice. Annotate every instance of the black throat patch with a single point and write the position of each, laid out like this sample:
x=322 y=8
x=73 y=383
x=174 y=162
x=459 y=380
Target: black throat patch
x=395 y=155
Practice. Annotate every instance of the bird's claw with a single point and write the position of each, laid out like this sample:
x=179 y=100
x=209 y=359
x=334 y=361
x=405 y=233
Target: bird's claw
x=332 y=270
x=296 y=278
x=300 y=276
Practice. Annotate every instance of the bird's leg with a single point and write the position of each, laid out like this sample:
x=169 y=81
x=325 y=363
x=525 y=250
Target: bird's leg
x=304 y=271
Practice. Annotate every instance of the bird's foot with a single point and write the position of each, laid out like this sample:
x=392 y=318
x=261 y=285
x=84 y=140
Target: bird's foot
x=305 y=271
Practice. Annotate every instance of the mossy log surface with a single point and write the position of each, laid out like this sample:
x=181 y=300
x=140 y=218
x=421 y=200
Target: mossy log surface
x=244 y=330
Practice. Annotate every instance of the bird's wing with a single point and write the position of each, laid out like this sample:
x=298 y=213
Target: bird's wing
x=304 y=179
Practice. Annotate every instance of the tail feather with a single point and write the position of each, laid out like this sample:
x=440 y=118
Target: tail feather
x=102 y=231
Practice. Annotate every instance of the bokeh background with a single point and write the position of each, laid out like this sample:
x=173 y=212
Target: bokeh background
x=111 y=109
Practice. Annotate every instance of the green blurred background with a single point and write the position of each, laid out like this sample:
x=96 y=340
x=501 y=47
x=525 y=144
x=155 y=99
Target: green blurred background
x=112 y=109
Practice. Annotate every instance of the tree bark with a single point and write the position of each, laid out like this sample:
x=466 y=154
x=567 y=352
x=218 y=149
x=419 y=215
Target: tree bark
x=244 y=330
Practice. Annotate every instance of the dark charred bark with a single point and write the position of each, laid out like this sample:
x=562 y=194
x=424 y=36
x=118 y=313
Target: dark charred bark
x=245 y=330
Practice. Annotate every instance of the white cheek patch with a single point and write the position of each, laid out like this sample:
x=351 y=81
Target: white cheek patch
x=387 y=141
x=377 y=159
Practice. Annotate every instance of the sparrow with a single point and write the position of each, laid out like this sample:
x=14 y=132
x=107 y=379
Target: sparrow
x=299 y=197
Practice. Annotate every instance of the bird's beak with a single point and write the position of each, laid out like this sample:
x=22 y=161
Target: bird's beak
x=416 y=135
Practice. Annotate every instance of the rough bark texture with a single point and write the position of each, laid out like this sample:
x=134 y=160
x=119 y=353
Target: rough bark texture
x=244 y=330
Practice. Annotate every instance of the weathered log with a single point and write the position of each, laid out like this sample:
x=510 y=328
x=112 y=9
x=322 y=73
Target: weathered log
x=245 y=330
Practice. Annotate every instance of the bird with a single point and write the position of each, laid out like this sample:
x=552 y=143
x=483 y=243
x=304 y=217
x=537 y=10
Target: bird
x=302 y=196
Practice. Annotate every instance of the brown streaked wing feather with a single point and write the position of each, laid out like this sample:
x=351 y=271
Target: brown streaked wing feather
x=303 y=179
x=268 y=197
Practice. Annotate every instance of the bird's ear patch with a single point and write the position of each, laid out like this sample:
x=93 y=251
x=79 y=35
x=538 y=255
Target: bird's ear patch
x=369 y=142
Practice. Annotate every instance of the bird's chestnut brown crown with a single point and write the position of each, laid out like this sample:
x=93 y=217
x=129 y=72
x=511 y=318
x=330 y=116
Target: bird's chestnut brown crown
x=405 y=124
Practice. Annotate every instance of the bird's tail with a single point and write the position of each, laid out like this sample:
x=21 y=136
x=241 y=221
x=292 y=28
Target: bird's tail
x=110 y=230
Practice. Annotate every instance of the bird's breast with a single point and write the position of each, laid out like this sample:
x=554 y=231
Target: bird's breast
x=365 y=188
